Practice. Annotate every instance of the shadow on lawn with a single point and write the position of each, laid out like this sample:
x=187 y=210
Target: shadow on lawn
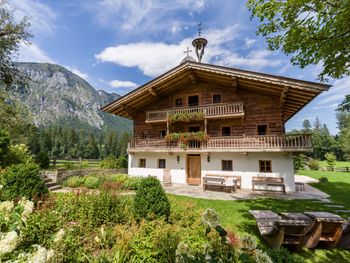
x=338 y=191
x=249 y=226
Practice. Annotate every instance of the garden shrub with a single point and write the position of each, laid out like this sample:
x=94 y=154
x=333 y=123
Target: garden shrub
x=299 y=162
x=22 y=180
x=122 y=162
x=331 y=159
x=109 y=163
x=17 y=154
x=150 y=200
x=132 y=183
x=74 y=181
x=91 y=210
x=155 y=241
x=323 y=179
x=314 y=164
x=43 y=160
x=92 y=182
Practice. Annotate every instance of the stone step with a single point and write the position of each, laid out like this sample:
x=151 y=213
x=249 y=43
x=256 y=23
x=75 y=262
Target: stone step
x=335 y=206
x=342 y=211
x=50 y=184
x=323 y=201
x=47 y=180
x=55 y=187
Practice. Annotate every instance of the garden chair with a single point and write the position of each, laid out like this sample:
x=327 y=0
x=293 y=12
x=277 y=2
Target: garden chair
x=331 y=226
x=277 y=231
x=345 y=238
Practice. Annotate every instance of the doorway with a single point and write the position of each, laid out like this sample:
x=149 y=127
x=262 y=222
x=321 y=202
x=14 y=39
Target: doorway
x=194 y=169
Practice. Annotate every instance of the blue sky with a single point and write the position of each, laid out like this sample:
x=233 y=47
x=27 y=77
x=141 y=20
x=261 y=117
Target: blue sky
x=117 y=45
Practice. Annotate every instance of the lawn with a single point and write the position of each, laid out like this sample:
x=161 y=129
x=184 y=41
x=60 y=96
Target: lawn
x=338 y=164
x=234 y=214
x=338 y=185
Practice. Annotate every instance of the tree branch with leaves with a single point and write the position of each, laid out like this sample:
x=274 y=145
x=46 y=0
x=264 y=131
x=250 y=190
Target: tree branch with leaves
x=311 y=31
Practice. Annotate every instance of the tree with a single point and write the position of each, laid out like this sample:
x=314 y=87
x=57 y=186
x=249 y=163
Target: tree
x=343 y=116
x=12 y=33
x=4 y=146
x=330 y=158
x=306 y=125
x=311 y=31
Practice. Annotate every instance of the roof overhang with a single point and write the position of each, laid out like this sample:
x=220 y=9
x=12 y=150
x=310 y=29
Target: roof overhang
x=294 y=94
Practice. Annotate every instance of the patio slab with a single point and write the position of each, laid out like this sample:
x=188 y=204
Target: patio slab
x=197 y=192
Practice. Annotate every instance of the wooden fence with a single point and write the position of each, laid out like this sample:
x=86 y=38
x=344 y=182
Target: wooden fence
x=345 y=169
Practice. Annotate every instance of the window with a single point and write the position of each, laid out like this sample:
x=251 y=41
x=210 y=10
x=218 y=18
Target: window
x=162 y=134
x=178 y=102
x=265 y=166
x=217 y=98
x=226 y=131
x=193 y=101
x=161 y=163
x=227 y=165
x=262 y=129
x=142 y=163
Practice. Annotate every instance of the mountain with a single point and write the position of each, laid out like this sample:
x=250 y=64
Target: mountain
x=56 y=96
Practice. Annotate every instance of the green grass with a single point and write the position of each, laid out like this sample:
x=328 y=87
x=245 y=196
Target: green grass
x=338 y=164
x=338 y=186
x=235 y=215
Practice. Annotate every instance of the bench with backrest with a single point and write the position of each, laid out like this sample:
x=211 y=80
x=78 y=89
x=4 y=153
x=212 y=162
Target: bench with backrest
x=236 y=182
x=216 y=182
x=276 y=182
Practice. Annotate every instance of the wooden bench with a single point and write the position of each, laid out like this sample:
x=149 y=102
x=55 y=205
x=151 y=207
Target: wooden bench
x=237 y=181
x=217 y=182
x=269 y=181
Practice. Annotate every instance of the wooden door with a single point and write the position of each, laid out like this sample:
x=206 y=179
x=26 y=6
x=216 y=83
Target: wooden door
x=194 y=169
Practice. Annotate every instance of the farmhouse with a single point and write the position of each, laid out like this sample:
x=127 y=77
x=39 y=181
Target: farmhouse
x=198 y=119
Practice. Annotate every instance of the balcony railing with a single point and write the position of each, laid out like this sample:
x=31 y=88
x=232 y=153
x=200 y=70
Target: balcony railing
x=280 y=143
x=210 y=111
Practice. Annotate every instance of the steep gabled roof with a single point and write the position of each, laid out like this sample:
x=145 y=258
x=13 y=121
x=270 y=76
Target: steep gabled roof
x=294 y=94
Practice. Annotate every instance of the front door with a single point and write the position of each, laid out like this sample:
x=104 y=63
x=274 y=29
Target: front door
x=194 y=169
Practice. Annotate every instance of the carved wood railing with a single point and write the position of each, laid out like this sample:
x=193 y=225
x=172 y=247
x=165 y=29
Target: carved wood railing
x=210 y=111
x=300 y=142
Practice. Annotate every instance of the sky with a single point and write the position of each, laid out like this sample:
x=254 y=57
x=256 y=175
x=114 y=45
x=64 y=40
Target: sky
x=118 y=45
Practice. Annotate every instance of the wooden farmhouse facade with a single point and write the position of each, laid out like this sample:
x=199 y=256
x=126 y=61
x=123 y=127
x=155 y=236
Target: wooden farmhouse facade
x=198 y=118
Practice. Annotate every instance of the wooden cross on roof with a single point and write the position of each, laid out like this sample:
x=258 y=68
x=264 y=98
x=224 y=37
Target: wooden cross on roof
x=187 y=51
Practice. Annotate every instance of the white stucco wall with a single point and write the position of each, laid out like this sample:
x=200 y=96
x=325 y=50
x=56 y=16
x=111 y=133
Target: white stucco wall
x=246 y=166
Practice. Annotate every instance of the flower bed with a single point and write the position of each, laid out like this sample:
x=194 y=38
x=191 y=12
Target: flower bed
x=187 y=136
x=185 y=116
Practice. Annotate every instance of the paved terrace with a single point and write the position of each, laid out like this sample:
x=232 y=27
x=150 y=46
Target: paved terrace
x=197 y=192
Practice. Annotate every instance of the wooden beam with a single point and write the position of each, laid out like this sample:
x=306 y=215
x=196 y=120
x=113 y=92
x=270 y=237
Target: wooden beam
x=153 y=92
x=130 y=111
x=234 y=82
x=284 y=95
x=193 y=77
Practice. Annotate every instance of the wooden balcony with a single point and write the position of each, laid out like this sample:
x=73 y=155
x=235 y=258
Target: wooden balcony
x=281 y=143
x=210 y=111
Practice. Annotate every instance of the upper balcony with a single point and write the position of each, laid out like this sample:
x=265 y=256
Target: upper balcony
x=210 y=112
x=265 y=143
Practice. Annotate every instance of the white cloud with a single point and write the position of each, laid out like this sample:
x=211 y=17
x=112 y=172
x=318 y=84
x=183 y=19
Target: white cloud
x=122 y=84
x=41 y=17
x=142 y=16
x=32 y=53
x=155 y=58
x=76 y=71
x=249 y=42
x=335 y=94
